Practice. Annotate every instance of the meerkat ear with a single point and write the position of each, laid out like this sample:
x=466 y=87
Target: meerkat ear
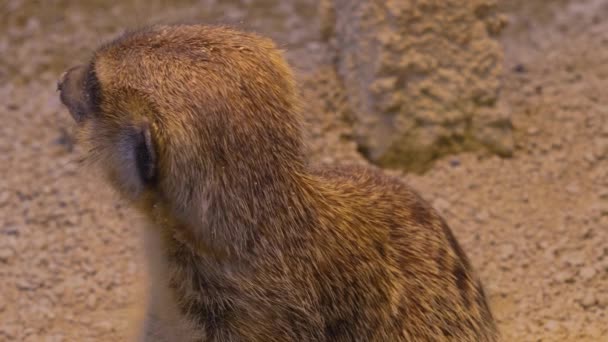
x=145 y=154
x=138 y=158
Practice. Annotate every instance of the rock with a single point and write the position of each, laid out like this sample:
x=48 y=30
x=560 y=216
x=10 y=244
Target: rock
x=72 y=219
x=454 y=162
x=26 y=284
x=506 y=251
x=574 y=258
x=85 y=320
x=91 y=301
x=30 y=334
x=564 y=277
x=482 y=216
x=520 y=68
x=9 y=330
x=604 y=130
x=587 y=273
x=413 y=96
x=573 y=189
x=54 y=338
x=599 y=209
x=588 y=300
x=551 y=325
x=590 y=157
x=4 y=197
x=441 y=205
x=600 y=147
x=6 y=254
x=105 y=325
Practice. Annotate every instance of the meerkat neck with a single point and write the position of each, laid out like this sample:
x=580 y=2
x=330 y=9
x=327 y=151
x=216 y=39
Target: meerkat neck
x=245 y=210
x=265 y=208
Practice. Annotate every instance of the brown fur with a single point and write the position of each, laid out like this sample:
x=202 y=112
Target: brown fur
x=248 y=242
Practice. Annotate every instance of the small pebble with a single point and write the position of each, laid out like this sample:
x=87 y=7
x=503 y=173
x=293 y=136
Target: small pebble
x=587 y=273
x=574 y=259
x=573 y=189
x=9 y=330
x=564 y=277
x=506 y=251
x=6 y=254
x=588 y=300
x=520 y=69
x=551 y=325
x=441 y=204
x=4 y=197
x=105 y=325
x=605 y=129
x=533 y=130
x=91 y=301
x=482 y=216
x=25 y=285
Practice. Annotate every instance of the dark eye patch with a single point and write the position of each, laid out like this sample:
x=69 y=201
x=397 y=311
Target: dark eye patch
x=92 y=89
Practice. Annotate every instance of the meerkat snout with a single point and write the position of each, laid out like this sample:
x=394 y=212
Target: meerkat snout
x=130 y=152
x=76 y=86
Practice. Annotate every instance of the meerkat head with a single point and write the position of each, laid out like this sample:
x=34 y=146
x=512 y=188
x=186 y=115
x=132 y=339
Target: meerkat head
x=183 y=112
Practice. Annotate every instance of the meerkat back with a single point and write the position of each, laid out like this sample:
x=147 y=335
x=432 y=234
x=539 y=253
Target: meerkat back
x=199 y=128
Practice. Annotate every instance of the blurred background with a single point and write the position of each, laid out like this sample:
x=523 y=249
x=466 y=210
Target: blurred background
x=496 y=111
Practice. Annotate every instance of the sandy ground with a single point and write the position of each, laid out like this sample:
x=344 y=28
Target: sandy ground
x=535 y=225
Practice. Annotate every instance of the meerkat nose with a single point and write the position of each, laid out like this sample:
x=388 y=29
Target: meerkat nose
x=71 y=93
x=61 y=80
x=64 y=76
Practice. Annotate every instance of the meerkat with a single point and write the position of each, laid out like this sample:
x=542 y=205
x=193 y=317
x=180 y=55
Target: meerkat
x=199 y=128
